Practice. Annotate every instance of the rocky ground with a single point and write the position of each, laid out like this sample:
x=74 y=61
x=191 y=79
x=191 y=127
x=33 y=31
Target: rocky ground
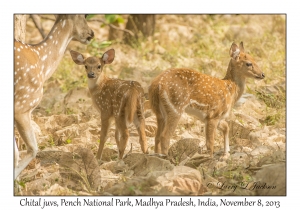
x=68 y=129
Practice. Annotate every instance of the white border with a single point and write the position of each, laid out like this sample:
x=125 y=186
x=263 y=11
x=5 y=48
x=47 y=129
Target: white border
x=8 y=8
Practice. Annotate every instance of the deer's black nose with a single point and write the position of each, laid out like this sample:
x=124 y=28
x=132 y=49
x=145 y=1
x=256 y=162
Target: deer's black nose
x=91 y=36
x=91 y=75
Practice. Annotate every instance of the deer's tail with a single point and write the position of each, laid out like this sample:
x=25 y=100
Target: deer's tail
x=132 y=102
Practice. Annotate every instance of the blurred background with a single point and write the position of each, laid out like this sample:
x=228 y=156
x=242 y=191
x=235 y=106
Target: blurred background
x=148 y=44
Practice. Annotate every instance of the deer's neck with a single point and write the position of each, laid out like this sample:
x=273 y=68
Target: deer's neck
x=52 y=48
x=237 y=80
x=95 y=85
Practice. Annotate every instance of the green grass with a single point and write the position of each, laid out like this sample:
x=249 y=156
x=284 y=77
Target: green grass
x=276 y=101
x=69 y=75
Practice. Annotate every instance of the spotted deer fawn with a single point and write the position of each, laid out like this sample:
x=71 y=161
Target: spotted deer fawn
x=114 y=98
x=33 y=65
x=209 y=99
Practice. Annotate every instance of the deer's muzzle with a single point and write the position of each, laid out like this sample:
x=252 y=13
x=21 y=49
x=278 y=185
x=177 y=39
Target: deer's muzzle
x=91 y=75
x=261 y=76
x=91 y=36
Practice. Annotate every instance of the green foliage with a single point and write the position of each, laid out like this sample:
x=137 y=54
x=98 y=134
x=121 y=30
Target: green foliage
x=51 y=140
x=42 y=147
x=275 y=111
x=247 y=178
x=110 y=18
x=95 y=46
x=272 y=119
x=69 y=76
x=132 y=189
x=90 y=16
x=48 y=111
x=272 y=100
x=68 y=141
x=69 y=111
x=21 y=183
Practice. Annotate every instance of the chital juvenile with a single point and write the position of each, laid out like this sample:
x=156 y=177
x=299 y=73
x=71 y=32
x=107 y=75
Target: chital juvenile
x=114 y=98
x=209 y=99
x=33 y=65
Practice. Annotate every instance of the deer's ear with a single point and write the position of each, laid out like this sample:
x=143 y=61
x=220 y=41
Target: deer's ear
x=234 y=51
x=77 y=57
x=108 y=56
x=241 y=46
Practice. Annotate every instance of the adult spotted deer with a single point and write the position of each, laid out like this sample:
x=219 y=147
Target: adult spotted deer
x=33 y=65
x=209 y=99
x=114 y=98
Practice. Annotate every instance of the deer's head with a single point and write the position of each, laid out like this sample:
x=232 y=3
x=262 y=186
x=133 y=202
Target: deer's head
x=81 y=31
x=93 y=65
x=243 y=63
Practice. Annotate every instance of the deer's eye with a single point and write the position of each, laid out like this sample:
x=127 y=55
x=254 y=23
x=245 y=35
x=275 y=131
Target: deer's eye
x=248 y=64
x=99 y=66
x=85 y=67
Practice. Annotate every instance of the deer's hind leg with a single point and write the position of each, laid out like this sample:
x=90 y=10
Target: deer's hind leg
x=23 y=124
x=223 y=126
x=168 y=120
x=160 y=127
x=168 y=131
x=123 y=135
x=139 y=122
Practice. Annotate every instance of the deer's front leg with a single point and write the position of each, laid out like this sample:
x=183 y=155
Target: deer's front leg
x=210 y=129
x=223 y=126
x=105 y=123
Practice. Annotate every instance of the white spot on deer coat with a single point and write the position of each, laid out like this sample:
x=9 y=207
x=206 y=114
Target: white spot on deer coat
x=44 y=57
x=196 y=102
x=48 y=71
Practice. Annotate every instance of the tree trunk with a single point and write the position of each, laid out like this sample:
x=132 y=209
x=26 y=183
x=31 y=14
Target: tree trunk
x=115 y=34
x=37 y=22
x=20 y=27
x=141 y=25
